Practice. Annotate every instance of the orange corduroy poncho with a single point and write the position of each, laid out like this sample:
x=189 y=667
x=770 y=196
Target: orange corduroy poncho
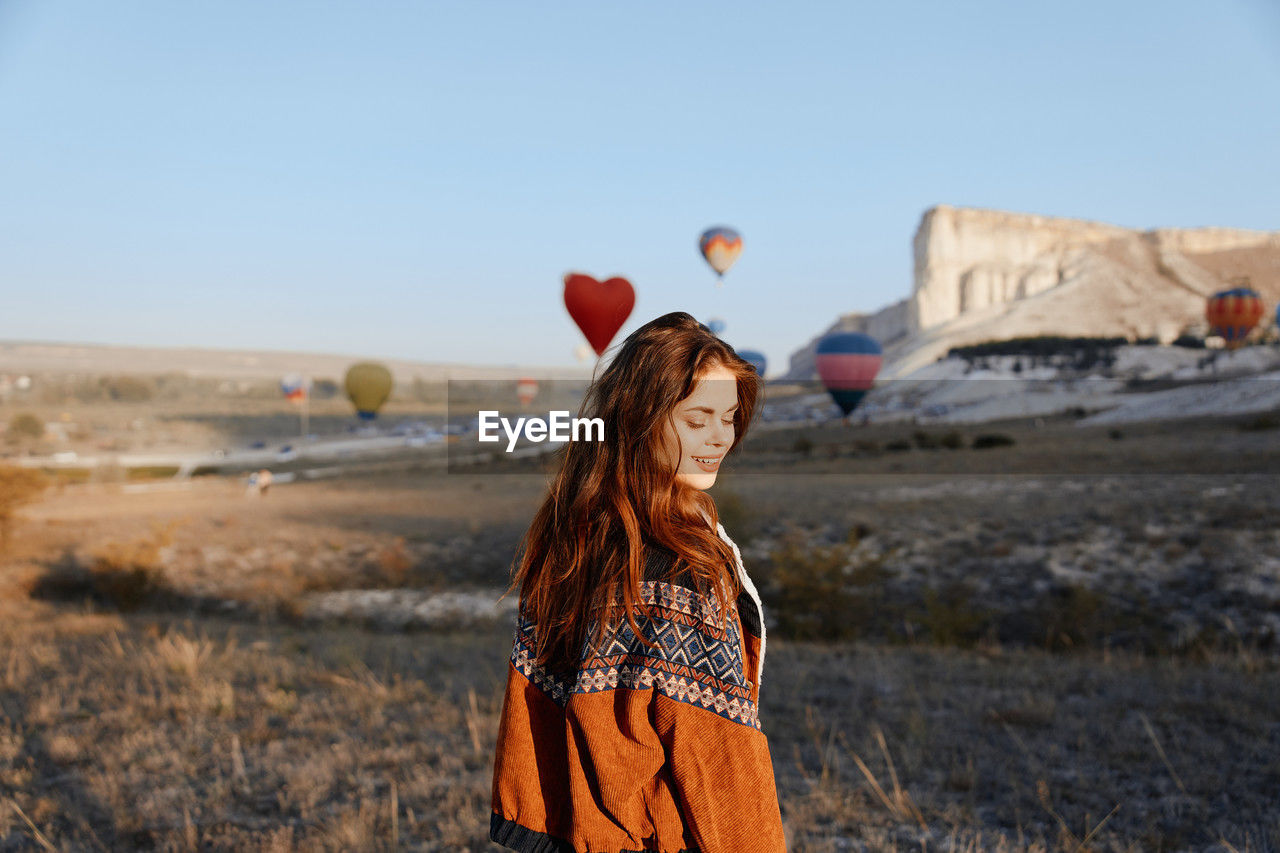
x=642 y=748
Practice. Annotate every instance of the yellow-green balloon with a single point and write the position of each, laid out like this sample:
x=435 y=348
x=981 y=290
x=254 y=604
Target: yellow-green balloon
x=368 y=386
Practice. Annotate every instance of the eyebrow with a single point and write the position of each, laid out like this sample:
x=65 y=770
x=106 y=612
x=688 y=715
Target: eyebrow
x=708 y=410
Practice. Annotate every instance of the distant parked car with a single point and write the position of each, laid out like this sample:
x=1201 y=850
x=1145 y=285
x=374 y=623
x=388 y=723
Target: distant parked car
x=287 y=453
x=258 y=445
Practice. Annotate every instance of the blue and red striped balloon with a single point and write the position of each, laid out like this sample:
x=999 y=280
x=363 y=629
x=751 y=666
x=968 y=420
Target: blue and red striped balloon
x=847 y=364
x=1233 y=314
x=755 y=359
x=295 y=387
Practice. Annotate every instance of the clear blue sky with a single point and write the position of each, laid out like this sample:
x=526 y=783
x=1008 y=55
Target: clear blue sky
x=412 y=179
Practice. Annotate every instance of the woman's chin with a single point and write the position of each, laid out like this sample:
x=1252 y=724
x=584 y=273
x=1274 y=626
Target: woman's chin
x=700 y=480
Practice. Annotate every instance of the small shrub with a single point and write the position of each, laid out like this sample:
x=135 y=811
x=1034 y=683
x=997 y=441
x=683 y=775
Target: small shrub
x=951 y=440
x=1187 y=341
x=1115 y=434
x=736 y=517
x=802 y=446
x=898 y=445
x=125 y=587
x=857 y=532
x=151 y=472
x=24 y=426
x=65 y=579
x=950 y=617
x=393 y=564
x=127 y=575
x=124 y=575
x=129 y=389
x=1075 y=616
x=992 y=439
x=816 y=594
x=924 y=440
x=1270 y=420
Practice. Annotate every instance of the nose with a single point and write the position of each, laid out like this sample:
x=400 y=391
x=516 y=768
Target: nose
x=721 y=436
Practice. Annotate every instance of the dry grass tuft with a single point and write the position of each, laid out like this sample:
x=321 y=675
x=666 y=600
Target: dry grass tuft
x=899 y=802
x=179 y=654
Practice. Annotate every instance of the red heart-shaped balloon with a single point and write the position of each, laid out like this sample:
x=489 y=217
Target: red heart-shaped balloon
x=598 y=307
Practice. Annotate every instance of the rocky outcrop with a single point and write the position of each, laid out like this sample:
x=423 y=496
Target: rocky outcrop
x=989 y=275
x=967 y=260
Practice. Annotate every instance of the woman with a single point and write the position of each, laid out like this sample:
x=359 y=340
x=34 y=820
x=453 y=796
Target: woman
x=629 y=721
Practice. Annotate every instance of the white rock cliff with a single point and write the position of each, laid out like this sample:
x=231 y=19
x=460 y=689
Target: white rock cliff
x=985 y=275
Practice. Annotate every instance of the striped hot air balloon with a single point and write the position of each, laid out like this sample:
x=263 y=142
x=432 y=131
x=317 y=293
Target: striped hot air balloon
x=295 y=387
x=755 y=359
x=720 y=246
x=526 y=390
x=847 y=364
x=1233 y=313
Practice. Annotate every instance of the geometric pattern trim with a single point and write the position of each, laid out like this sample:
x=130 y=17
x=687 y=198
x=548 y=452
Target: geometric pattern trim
x=697 y=657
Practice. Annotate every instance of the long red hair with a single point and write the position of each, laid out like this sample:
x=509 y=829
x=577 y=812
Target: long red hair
x=583 y=556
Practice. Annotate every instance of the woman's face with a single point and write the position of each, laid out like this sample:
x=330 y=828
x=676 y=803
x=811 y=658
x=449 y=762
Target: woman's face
x=700 y=430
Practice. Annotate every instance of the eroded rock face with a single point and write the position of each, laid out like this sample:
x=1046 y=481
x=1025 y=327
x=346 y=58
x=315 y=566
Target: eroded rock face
x=989 y=275
x=968 y=259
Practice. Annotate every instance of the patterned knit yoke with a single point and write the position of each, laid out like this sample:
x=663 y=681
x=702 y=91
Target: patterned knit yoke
x=642 y=748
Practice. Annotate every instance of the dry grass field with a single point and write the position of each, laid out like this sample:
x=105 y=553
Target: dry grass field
x=166 y=684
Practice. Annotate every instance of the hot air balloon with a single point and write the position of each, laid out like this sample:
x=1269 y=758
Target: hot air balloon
x=848 y=363
x=720 y=246
x=1233 y=314
x=716 y=325
x=598 y=307
x=526 y=390
x=368 y=386
x=755 y=359
x=295 y=387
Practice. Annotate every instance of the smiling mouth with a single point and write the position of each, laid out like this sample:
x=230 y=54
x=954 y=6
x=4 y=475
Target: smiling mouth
x=707 y=463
